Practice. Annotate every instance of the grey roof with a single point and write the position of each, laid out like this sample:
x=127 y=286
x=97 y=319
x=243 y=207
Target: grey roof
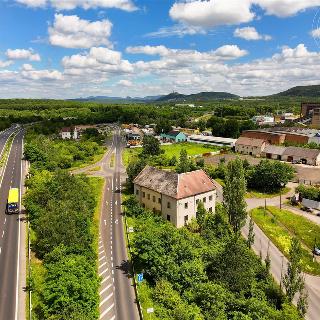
x=302 y=152
x=274 y=149
x=173 y=133
x=174 y=185
x=250 y=142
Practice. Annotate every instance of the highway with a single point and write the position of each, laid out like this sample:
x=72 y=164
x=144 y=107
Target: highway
x=10 y=233
x=117 y=295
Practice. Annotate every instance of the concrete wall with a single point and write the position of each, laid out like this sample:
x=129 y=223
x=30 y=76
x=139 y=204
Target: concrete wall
x=255 y=151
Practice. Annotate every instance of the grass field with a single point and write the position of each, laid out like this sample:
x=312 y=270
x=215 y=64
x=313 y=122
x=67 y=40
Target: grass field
x=281 y=236
x=261 y=195
x=171 y=150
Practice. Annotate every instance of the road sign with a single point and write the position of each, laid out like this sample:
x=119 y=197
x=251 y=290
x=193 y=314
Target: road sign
x=150 y=310
x=140 y=277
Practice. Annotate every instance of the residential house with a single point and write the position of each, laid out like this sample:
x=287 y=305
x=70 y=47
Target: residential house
x=69 y=133
x=273 y=152
x=253 y=147
x=175 y=196
x=174 y=136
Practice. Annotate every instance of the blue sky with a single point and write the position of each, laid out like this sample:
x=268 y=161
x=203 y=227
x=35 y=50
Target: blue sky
x=72 y=48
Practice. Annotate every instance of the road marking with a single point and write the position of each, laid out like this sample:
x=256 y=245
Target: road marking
x=18 y=257
x=101 y=252
x=113 y=318
x=100 y=247
x=116 y=202
x=5 y=220
x=104 y=290
x=106 y=311
x=105 y=279
x=105 y=222
x=103 y=264
x=0 y=250
x=2 y=233
x=102 y=258
x=103 y=272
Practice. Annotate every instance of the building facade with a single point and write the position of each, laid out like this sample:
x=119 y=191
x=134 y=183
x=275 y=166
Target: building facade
x=316 y=118
x=174 y=136
x=252 y=147
x=175 y=196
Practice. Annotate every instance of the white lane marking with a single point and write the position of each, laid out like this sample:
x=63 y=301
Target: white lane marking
x=104 y=290
x=100 y=247
x=5 y=220
x=2 y=233
x=105 y=222
x=105 y=279
x=116 y=202
x=18 y=257
x=101 y=252
x=103 y=272
x=106 y=311
x=103 y=264
x=113 y=318
x=0 y=250
x=102 y=258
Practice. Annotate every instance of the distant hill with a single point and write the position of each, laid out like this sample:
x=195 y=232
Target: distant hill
x=300 y=91
x=202 y=96
x=119 y=99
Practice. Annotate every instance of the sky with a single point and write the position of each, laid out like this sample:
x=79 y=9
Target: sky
x=80 y=48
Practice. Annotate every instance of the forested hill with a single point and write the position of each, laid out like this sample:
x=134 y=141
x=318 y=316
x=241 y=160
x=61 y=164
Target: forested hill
x=301 y=91
x=202 y=96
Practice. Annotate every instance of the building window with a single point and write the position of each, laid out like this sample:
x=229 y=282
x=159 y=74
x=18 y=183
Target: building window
x=197 y=201
x=204 y=200
x=159 y=200
x=210 y=209
x=186 y=205
x=168 y=217
x=148 y=196
x=210 y=198
x=143 y=194
x=168 y=205
x=186 y=218
x=137 y=192
x=154 y=198
x=143 y=205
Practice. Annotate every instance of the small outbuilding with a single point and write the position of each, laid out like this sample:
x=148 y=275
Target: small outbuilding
x=174 y=136
x=305 y=155
x=253 y=147
x=273 y=152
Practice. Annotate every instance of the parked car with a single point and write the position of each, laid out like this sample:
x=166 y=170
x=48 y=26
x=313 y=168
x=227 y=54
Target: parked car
x=318 y=214
x=316 y=251
x=307 y=209
x=296 y=161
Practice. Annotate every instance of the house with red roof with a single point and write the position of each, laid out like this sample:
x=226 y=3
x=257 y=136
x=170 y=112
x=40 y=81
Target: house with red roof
x=175 y=196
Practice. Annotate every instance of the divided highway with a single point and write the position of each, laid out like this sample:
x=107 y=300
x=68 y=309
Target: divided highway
x=117 y=295
x=10 y=231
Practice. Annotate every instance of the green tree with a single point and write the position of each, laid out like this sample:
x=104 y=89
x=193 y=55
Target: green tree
x=231 y=128
x=270 y=176
x=134 y=168
x=184 y=162
x=234 y=194
x=151 y=146
x=293 y=280
x=201 y=214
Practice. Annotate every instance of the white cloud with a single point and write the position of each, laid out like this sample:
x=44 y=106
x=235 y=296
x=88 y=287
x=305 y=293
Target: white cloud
x=22 y=54
x=125 y=83
x=211 y=13
x=179 y=30
x=315 y=33
x=4 y=64
x=73 y=32
x=97 y=60
x=250 y=33
x=149 y=50
x=126 y=5
x=28 y=72
x=230 y=52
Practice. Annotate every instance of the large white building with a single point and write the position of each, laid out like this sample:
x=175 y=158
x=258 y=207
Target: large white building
x=175 y=196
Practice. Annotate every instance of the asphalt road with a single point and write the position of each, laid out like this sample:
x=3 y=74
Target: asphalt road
x=10 y=235
x=117 y=296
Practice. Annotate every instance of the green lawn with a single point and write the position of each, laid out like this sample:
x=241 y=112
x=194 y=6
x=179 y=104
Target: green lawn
x=281 y=237
x=261 y=195
x=171 y=150
x=91 y=160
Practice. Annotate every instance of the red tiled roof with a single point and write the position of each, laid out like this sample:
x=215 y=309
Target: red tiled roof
x=174 y=185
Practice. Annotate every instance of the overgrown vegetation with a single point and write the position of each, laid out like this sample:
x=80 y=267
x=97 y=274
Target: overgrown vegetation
x=61 y=211
x=207 y=274
x=309 y=192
